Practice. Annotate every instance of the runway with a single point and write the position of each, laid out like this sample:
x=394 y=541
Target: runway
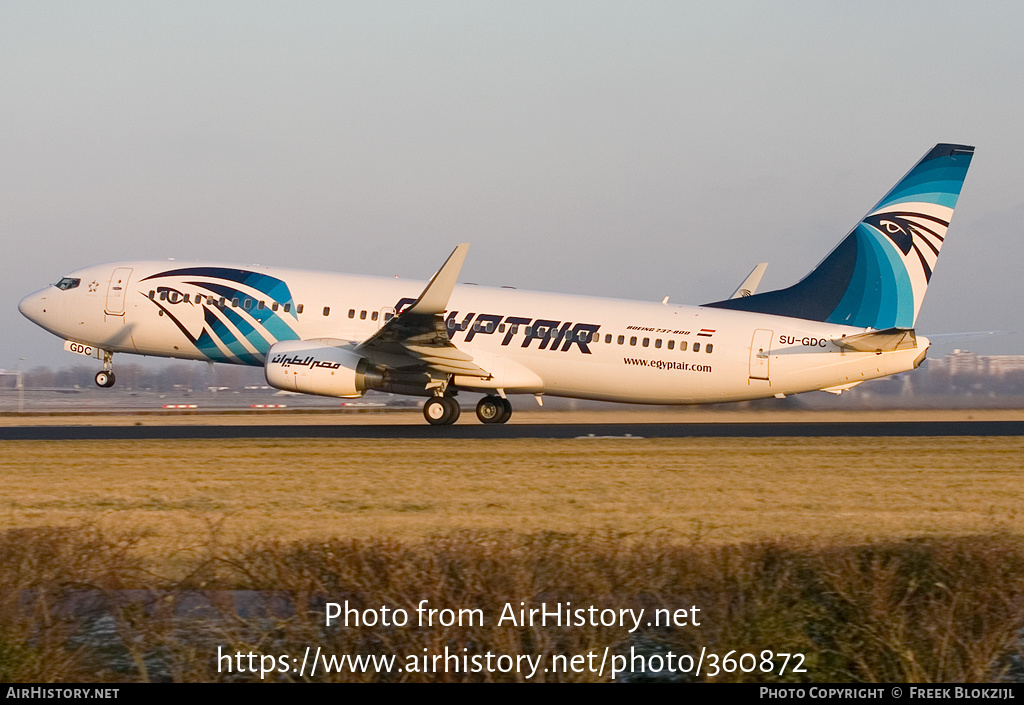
x=589 y=431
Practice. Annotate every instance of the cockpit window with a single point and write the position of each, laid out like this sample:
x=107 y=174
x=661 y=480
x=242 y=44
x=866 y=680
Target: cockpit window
x=67 y=283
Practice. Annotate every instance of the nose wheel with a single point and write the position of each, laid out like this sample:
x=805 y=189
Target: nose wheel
x=441 y=411
x=494 y=409
x=105 y=378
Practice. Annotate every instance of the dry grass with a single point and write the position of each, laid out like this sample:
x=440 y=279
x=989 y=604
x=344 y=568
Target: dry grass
x=720 y=490
x=880 y=559
x=928 y=610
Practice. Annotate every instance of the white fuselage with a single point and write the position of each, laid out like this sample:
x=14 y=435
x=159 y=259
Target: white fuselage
x=563 y=345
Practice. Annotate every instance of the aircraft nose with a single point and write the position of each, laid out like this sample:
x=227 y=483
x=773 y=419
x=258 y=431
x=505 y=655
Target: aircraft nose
x=33 y=306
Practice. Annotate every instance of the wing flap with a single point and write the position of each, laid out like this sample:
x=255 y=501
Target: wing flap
x=448 y=353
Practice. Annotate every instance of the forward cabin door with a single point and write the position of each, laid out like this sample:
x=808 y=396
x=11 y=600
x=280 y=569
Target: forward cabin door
x=760 y=349
x=116 y=291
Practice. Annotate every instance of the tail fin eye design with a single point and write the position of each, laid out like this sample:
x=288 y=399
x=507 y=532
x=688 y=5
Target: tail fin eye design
x=913 y=231
x=897 y=234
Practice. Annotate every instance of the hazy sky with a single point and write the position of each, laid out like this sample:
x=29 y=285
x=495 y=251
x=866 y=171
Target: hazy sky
x=630 y=149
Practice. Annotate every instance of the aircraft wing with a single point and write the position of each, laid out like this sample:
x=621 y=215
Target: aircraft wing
x=418 y=335
x=886 y=340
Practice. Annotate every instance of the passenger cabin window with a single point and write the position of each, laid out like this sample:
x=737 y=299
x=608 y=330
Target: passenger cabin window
x=186 y=298
x=362 y=315
x=234 y=303
x=708 y=348
x=260 y=305
x=622 y=339
x=152 y=294
x=682 y=345
x=696 y=347
x=374 y=315
x=351 y=313
x=246 y=305
x=163 y=295
x=632 y=340
x=388 y=316
x=671 y=344
x=298 y=308
x=287 y=307
x=273 y=306
x=608 y=338
x=657 y=343
x=327 y=310
x=67 y=283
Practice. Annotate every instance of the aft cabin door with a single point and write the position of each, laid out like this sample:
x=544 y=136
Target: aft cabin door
x=760 y=349
x=116 y=290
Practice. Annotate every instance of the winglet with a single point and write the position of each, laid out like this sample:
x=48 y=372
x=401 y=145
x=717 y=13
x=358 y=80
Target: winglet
x=434 y=299
x=750 y=284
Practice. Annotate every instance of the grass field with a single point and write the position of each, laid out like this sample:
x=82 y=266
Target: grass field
x=719 y=490
x=877 y=559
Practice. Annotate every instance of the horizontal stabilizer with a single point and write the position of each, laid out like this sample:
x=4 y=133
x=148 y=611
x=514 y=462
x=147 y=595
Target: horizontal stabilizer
x=875 y=341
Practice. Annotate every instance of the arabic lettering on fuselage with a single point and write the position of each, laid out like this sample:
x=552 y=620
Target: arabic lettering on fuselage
x=310 y=362
x=550 y=333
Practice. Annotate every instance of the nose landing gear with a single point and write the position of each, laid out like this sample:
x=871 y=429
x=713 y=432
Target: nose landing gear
x=105 y=378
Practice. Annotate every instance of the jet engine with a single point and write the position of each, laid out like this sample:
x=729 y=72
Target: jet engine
x=318 y=367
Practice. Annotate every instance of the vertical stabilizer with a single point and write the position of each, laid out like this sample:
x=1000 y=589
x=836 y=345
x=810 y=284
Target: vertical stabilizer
x=878 y=275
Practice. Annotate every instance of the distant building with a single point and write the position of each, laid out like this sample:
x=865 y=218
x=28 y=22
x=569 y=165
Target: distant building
x=999 y=365
x=965 y=362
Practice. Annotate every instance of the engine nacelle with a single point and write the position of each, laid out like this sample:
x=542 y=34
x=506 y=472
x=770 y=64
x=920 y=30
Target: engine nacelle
x=315 y=367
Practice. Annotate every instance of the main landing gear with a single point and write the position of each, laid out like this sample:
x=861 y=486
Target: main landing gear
x=105 y=377
x=494 y=409
x=444 y=411
x=441 y=411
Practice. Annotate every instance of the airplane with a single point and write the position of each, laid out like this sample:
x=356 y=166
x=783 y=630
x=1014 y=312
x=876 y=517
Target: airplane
x=849 y=320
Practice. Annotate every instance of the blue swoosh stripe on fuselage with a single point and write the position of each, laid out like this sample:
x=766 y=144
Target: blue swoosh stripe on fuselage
x=274 y=288
x=218 y=328
x=276 y=327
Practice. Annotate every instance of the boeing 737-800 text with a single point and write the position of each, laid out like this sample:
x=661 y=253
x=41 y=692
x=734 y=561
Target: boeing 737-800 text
x=851 y=319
